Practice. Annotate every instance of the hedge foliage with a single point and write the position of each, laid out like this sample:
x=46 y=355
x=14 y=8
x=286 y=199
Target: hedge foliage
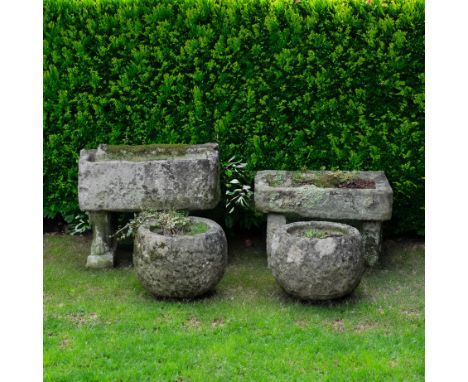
x=280 y=84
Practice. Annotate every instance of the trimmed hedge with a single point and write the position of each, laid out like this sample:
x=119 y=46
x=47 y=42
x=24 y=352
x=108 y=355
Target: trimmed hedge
x=281 y=85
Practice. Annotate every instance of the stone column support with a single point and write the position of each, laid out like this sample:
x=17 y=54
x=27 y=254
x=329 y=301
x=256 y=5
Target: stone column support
x=371 y=232
x=103 y=245
x=274 y=221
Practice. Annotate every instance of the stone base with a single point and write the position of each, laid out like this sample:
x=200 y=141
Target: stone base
x=371 y=241
x=100 y=262
x=103 y=245
x=274 y=221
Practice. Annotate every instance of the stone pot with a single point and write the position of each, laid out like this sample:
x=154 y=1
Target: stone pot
x=317 y=268
x=180 y=266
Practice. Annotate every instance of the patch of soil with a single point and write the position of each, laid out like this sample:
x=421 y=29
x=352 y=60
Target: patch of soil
x=81 y=318
x=217 y=322
x=363 y=326
x=192 y=323
x=357 y=183
x=65 y=342
x=338 y=325
x=301 y=323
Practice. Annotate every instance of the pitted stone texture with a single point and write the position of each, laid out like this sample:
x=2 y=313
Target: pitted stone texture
x=181 y=266
x=371 y=241
x=103 y=246
x=324 y=203
x=274 y=221
x=185 y=178
x=317 y=269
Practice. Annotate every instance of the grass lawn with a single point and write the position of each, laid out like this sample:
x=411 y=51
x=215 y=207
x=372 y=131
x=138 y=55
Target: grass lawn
x=103 y=326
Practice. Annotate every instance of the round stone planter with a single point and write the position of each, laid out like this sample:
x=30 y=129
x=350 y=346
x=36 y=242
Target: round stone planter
x=314 y=268
x=180 y=266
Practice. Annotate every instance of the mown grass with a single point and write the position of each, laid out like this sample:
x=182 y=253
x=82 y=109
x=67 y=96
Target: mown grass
x=103 y=326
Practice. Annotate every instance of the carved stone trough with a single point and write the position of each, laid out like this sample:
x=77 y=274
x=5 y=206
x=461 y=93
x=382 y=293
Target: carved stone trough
x=136 y=178
x=360 y=198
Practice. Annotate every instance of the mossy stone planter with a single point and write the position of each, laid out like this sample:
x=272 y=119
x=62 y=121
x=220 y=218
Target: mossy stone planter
x=180 y=266
x=314 y=268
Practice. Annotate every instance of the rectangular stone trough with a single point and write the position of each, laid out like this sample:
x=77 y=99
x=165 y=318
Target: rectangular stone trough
x=324 y=195
x=135 y=178
x=361 y=198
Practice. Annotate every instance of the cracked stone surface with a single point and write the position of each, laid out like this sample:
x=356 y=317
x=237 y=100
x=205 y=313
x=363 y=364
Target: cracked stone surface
x=282 y=196
x=183 y=177
x=180 y=266
x=317 y=268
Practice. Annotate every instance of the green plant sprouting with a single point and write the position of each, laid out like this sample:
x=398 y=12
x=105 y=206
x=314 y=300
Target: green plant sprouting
x=238 y=195
x=80 y=224
x=169 y=222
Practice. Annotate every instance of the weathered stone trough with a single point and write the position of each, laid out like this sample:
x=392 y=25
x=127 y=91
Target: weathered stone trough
x=137 y=178
x=361 y=198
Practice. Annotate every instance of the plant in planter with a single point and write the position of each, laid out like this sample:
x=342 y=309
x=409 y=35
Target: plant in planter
x=171 y=223
x=178 y=256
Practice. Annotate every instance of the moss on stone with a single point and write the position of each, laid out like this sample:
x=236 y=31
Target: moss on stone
x=191 y=229
x=311 y=197
x=321 y=179
x=140 y=149
x=319 y=234
x=197 y=228
x=275 y=180
x=145 y=152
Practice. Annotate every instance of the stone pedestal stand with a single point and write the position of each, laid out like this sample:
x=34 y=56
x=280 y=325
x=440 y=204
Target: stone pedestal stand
x=103 y=245
x=371 y=241
x=274 y=221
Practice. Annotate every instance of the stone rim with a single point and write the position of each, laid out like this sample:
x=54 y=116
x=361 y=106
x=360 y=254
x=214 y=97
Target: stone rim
x=213 y=227
x=347 y=230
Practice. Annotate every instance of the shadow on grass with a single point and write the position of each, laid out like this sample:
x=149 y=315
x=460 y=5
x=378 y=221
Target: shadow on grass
x=351 y=299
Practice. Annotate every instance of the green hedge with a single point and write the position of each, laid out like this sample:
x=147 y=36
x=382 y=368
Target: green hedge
x=282 y=85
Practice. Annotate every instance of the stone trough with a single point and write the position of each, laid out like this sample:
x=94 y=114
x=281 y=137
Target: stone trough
x=360 y=198
x=137 y=178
